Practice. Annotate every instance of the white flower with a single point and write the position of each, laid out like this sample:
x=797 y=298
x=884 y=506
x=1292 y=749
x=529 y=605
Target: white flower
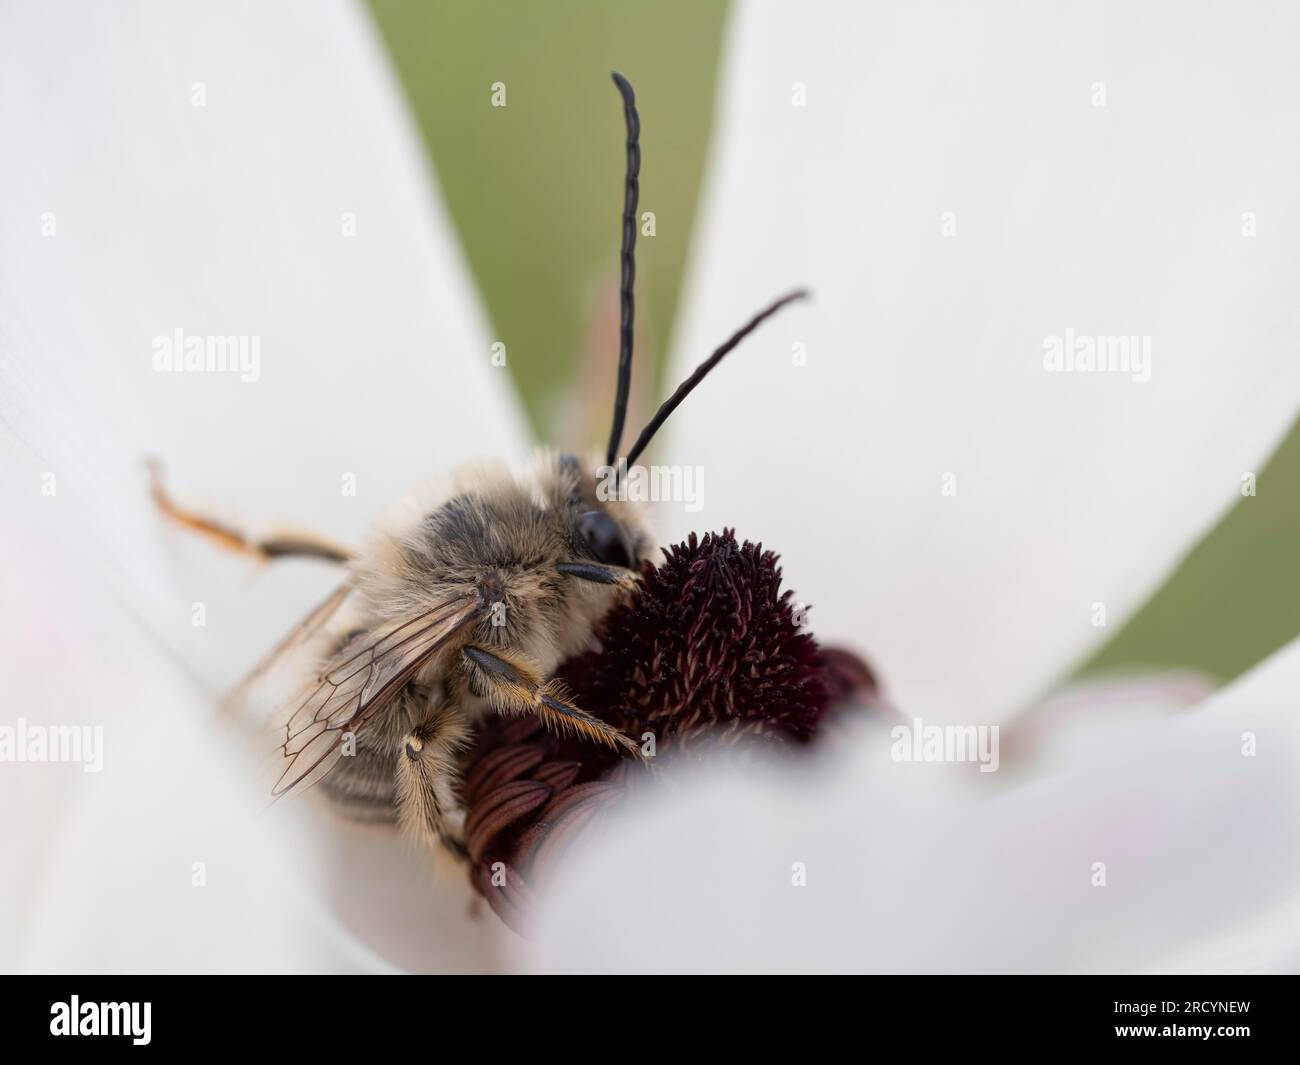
x=225 y=218
x=955 y=199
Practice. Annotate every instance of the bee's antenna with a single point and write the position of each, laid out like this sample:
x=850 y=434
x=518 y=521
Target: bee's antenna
x=631 y=189
x=701 y=371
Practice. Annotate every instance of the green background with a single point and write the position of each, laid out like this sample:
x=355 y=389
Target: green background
x=542 y=240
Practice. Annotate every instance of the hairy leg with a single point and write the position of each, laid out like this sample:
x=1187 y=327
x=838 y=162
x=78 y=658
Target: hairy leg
x=426 y=779
x=234 y=540
x=512 y=685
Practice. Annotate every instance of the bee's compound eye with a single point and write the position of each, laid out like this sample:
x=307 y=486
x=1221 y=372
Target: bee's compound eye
x=605 y=538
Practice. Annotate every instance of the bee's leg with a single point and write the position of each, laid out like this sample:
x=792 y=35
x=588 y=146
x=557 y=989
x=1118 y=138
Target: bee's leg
x=426 y=779
x=233 y=539
x=512 y=685
x=626 y=579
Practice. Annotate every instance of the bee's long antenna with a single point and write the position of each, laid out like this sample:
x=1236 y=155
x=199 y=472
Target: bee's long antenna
x=702 y=371
x=631 y=189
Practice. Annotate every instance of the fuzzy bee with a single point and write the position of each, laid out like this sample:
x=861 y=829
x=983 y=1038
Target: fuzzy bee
x=463 y=605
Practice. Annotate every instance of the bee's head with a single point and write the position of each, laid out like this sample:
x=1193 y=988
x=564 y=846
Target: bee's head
x=606 y=530
x=545 y=549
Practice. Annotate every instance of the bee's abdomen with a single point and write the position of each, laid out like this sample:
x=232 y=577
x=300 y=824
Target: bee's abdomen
x=361 y=787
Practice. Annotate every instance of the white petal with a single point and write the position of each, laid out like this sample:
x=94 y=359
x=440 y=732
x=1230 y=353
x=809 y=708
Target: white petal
x=922 y=867
x=164 y=857
x=227 y=219
x=925 y=353
x=128 y=212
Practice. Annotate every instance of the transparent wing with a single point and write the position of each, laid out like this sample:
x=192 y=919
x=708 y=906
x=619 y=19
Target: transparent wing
x=359 y=681
x=295 y=637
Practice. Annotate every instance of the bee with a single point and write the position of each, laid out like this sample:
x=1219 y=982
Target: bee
x=463 y=604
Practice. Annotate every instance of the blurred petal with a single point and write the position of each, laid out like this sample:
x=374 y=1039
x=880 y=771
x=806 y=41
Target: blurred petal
x=925 y=352
x=1085 y=712
x=203 y=168
x=922 y=867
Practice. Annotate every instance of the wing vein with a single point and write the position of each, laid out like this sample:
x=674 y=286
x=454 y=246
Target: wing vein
x=338 y=705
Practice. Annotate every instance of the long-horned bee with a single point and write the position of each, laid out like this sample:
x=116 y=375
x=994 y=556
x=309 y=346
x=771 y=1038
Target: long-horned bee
x=464 y=605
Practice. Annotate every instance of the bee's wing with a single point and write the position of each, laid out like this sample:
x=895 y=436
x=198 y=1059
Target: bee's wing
x=359 y=681
x=296 y=636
